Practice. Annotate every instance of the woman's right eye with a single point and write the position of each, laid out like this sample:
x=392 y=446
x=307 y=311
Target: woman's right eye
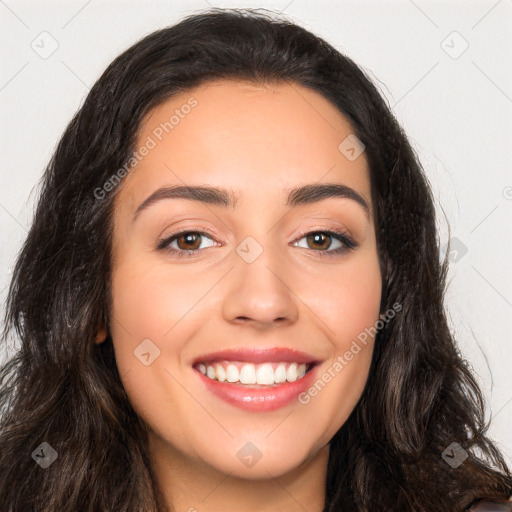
x=187 y=242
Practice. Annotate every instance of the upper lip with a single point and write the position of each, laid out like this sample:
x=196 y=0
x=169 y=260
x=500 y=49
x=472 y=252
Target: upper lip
x=258 y=355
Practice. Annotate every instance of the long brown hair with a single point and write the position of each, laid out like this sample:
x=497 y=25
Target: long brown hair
x=62 y=389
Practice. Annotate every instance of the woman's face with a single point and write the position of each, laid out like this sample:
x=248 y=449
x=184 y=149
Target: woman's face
x=248 y=289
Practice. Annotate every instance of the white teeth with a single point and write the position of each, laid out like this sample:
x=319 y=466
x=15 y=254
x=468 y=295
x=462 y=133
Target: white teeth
x=232 y=373
x=280 y=375
x=248 y=374
x=220 y=373
x=291 y=373
x=266 y=374
x=210 y=371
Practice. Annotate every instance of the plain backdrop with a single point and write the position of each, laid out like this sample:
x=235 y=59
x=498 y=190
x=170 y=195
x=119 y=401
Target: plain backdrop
x=444 y=68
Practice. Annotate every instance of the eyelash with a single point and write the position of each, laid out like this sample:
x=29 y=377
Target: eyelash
x=343 y=237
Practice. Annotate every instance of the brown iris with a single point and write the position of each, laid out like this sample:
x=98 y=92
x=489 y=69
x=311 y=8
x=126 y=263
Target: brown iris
x=317 y=237
x=189 y=238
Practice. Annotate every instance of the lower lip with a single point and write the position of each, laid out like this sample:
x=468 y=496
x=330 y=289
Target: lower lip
x=259 y=399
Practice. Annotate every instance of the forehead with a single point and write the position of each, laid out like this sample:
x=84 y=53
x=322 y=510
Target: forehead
x=255 y=139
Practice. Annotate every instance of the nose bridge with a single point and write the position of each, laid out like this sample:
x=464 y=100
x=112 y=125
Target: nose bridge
x=259 y=287
x=260 y=243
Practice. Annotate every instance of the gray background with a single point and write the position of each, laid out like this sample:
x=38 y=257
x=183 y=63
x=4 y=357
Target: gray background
x=455 y=104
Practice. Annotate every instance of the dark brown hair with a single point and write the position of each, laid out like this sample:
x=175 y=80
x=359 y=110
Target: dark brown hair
x=63 y=389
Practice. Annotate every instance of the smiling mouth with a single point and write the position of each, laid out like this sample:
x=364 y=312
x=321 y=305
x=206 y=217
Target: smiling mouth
x=255 y=375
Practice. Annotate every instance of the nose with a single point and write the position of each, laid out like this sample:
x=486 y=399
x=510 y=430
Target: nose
x=260 y=293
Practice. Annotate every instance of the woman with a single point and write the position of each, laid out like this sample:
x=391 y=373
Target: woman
x=301 y=360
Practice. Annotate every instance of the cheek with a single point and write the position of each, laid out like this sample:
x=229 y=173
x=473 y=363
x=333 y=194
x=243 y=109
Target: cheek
x=148 y=303
x=347 y=299
x=351 y=311
x=149 y=299
x=358 y=300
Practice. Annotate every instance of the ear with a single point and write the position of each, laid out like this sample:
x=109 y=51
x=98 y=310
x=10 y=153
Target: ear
x=101 y=336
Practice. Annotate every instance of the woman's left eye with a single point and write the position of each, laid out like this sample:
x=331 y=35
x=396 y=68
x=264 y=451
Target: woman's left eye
x=320 y=237
x=188 y=242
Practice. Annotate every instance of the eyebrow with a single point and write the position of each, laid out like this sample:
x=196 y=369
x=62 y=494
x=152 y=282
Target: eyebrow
x=307 y=194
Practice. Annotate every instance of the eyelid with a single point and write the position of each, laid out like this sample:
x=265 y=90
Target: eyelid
x=164 y=241
x=335 y=231
x=340 y=234
x=327 y=227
